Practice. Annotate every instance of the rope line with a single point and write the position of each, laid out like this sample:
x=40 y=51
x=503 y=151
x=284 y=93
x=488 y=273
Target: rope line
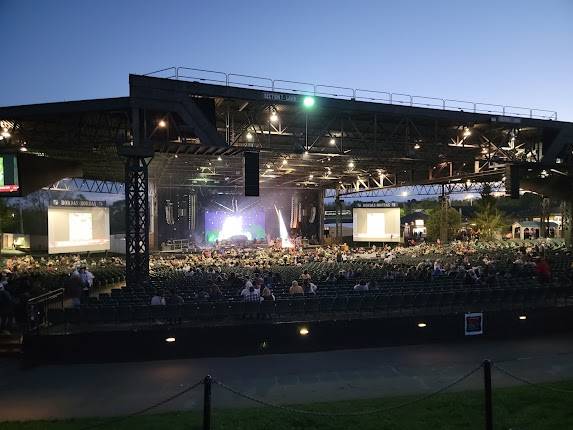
x=142 y=411
x=349 y=414
x=528 y=382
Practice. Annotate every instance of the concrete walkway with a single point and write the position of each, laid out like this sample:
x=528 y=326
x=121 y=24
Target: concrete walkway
x=114 y=389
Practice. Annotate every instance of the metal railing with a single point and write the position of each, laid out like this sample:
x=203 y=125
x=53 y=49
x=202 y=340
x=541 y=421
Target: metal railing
x=39 y=307
x=346 y=93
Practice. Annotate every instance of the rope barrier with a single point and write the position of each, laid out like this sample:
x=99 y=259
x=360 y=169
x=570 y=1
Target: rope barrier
x=348 y=414
x=528 y=382
x=142 y=411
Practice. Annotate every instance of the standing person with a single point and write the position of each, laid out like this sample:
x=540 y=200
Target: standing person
x=6 y=309
x=87 y=279
x=75 y=289
x=295 y=289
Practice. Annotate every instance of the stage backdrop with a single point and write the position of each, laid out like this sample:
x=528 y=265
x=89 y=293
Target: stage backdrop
x=224 y=225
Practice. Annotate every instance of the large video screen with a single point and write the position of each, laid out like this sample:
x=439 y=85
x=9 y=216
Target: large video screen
x=9 y=184
x=78 y=229
x=376 y=225
x=228 y=226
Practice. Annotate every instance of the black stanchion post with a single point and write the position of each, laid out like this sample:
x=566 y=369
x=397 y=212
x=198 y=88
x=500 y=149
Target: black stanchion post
x=207 y=402
x=487 y=395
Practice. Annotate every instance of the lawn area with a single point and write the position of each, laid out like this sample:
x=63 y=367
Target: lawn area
x=517 y=408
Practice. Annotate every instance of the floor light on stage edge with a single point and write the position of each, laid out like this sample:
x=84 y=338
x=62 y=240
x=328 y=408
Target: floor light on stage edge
x=169 y=339
x=303 y=331
x=422 y=325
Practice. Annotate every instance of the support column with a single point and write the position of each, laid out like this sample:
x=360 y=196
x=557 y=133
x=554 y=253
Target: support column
x=338 y=208
x=137 y=221
x=543 y=224
x=320 y=210
x=153 y=217
x=444 y=207
x=567 y=222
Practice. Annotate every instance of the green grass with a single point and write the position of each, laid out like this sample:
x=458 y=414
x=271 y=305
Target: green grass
x=516 y=408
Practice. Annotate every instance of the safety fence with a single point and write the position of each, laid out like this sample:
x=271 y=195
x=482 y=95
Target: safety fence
x=209 y=382
x=306 y=88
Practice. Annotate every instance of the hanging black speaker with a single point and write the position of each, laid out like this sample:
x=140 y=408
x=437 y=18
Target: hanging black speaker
x=251 y=173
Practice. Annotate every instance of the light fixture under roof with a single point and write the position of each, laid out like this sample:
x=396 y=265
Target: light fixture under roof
x=284 y=162
x=467 y=132
x=162 y=123
x=351 y=164
x=219 y=158
x=332 y=141
x=249 y=135
x=274 y=117
x=417 y=146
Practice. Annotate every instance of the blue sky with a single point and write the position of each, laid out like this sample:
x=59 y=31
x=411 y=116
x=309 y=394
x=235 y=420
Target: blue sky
x=509 y=52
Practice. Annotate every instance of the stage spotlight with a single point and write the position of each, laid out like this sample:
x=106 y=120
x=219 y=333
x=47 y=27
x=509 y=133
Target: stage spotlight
x=422 y=324
x=162 y=123
x=219 y=158
x=274 y=117
x=249 y=135
x=467 y=132
x=311 y=177
x=284 y=162
x=523 y=317
x=332 y=141
x=305 y=152
x=468 y=182
x=308 y=102
x=303 y=331
x=417 y=146
x=351 y=164
x=5 y=134
x=169 y=339
x=268 y=165
x=23 y=149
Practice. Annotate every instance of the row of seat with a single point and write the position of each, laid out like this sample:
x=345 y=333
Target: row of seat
x=327 y=307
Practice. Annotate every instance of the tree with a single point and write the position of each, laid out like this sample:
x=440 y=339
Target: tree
x=434 y=221
x=488 y=219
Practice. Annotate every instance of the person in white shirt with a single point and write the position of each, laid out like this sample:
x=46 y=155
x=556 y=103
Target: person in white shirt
x=157 y=299
x=361 y=286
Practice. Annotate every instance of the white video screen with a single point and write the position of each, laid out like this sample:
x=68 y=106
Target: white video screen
x=75 y=229
x=376 y=224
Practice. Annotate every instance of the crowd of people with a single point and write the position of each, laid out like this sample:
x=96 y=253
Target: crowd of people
x=259 y=274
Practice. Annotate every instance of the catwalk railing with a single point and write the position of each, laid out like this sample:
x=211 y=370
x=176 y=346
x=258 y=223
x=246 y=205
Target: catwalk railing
x=487 y=367
x=305 y=88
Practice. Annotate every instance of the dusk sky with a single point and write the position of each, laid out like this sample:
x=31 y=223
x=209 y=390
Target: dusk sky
x=507 y=52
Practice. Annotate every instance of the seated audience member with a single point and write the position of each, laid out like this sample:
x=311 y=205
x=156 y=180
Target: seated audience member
x=309 y=287
x=305 y=276
x=252 y=295
x=266 y=294
x=157 y=299
x=361 y=286
x=295 y=288
x=174 y=298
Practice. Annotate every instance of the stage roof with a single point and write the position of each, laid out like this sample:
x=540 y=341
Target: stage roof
x=198 y=129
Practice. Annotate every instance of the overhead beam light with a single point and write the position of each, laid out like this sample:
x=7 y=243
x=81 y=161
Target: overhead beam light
x=162 y=123
x=284 y=162
x=351 y=164
x=308 y=102
x=274 y=116
x=303 y=331
x=417 y=146
x=219 y=158
x=169 y=339
x=467 y=132
x=332 y=141
x=422 y=324
x=249 y=135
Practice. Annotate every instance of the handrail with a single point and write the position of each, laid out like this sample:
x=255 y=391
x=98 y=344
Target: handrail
x=367 y=95
x=48 y=295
